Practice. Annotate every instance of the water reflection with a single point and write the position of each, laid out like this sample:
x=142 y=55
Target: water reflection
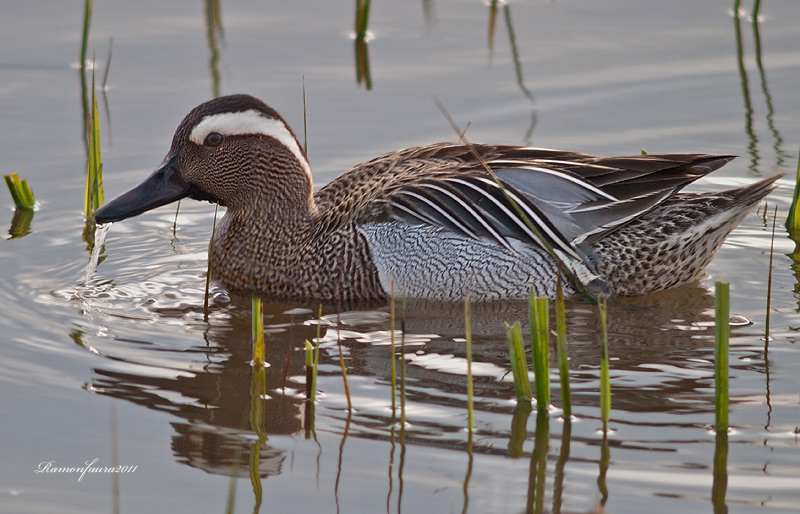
x=512 y=40
x=752 y=146
x=215 y=395
x=225 y=414
x=780 y=154
x=538 y=470
x=720 y=482
x=20 y=223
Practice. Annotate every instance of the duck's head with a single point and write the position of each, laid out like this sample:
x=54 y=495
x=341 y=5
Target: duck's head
x=233 y=150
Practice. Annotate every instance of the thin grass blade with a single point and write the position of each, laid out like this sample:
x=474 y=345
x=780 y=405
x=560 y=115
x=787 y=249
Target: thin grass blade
x=258 y=332
x=563 y=356
x=468 y=335
x=722 y=336
x=87 y=18
x=316 y=355
x=392 y=318
x=605 y=383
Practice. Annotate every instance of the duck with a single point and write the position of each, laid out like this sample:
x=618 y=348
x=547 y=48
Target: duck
x=444 y=221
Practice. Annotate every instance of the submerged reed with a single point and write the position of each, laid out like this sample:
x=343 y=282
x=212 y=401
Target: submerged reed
x=21 y=193
x=722 y=334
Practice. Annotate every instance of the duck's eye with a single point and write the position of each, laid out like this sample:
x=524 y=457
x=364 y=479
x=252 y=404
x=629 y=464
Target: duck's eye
x=213 y=139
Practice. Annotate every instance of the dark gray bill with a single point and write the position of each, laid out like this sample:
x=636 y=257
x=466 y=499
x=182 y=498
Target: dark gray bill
x=165 y=185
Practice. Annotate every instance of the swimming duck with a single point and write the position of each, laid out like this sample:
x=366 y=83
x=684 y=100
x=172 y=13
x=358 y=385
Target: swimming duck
x=441 y=221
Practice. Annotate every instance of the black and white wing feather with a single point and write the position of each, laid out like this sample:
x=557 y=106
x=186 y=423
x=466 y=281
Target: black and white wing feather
x=563 y=204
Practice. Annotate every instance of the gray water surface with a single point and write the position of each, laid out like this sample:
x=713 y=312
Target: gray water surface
x=125 y=369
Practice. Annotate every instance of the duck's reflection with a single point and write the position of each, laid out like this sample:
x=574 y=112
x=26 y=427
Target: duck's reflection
x=660 y=348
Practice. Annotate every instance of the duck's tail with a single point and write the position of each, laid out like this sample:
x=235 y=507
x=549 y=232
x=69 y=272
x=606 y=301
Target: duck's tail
x=671 y=245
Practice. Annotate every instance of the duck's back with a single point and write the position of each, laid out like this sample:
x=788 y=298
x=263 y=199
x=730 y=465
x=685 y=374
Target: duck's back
x=447 y=220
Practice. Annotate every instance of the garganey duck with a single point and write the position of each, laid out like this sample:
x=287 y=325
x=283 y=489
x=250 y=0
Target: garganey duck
x=432 y=221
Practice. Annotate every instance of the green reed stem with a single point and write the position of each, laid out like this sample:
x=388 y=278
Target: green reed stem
x=175 y=219
x=468 y=335
x=605 y=383
x=769 y=277
x=492 y=22
x=519 y=363
x=403 y=374
x=343 y=366
x=316 y=355
x=793 y=219
x=208 y=264
x=310 y=386
x=563 y=356
x=93 y=197
x=104 y=83
x=87 y=18
x=305 y=120
x=392 y=317
x=21 y=193
x=258 y=389
x=539 y=320
x=722 y=335
x=15 y=188
x=362 y=18
x=258 y=332
x=756 y=9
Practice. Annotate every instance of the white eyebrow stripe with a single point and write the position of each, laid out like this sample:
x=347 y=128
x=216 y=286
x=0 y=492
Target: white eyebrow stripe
x=250 y=122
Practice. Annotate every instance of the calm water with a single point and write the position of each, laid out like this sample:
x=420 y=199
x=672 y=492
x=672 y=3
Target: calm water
x=122 y=367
